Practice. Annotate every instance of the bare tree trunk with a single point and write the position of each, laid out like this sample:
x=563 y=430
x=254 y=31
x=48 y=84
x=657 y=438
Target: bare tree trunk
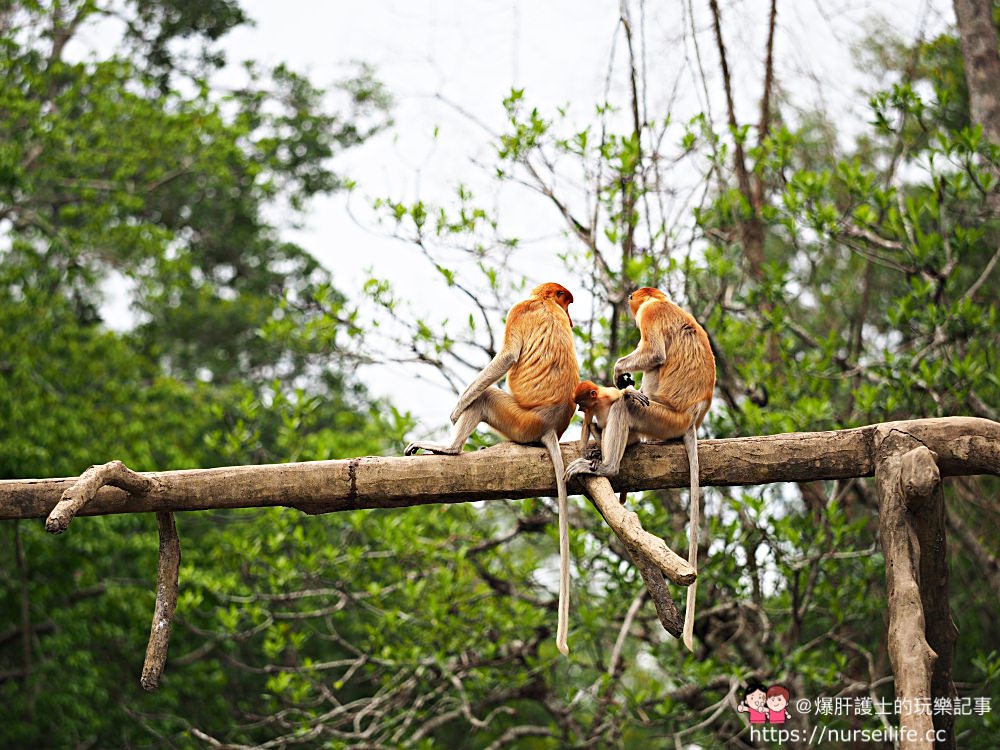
x=751 y=228
x=982 y=63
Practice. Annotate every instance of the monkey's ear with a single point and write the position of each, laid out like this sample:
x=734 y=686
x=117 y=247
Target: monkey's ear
x=593 y=394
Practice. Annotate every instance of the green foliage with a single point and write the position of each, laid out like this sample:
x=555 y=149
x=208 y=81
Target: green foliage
x=108 y=170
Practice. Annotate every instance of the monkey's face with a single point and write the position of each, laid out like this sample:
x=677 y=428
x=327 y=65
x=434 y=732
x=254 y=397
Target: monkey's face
x=556 y=292
x=585 y=395
x=636 y=298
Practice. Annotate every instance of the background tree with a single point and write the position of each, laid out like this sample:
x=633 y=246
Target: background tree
x=841 y=287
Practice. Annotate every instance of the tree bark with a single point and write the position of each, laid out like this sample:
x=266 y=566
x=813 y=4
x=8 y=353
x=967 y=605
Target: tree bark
x=978 y=37
x=167 y=573
x=907 y=458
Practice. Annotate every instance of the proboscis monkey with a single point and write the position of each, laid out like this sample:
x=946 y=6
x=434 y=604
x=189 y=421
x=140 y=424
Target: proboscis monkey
x=595 y=401
x=539 y=355
x=678 y=376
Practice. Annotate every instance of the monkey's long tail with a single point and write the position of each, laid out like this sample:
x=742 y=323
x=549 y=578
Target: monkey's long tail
x=562 y=630
x=551 y=441
x=691 y=446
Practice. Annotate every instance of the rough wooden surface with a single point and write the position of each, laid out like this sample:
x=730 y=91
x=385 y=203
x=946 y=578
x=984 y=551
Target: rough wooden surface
x=921 y=633
x=921 y=485
x=84 y=489
x=627 y=525
x=167 y=572
x=964 y=445
x=642 y=549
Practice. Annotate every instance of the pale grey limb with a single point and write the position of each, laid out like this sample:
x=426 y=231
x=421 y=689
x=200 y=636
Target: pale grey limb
x=464 y=427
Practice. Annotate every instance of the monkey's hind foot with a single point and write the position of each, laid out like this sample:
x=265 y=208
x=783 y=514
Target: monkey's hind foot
x=446 y=450
x=582 y=466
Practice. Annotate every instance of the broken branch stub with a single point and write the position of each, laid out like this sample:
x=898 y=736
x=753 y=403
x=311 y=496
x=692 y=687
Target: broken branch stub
x=656 y=585
x=919 y=476
x=603 y=496
x=627 y=525
x=113 y=473
x=167 y=573
x=85 y=489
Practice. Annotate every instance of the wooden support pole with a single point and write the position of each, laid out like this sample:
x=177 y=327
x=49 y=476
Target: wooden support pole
x=922 y=486
x=921 y=632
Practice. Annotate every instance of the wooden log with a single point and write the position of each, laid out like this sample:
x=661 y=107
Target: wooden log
x=964 y=445
x=649 y=553
x=629 y=529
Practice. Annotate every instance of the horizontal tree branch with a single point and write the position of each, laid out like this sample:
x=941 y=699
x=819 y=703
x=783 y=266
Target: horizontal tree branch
x=964 y=445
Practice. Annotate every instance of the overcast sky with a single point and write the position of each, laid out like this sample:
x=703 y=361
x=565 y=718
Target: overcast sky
x=472 y=52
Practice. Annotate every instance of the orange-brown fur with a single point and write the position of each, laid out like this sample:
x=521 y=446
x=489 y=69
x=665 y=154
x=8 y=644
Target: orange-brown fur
x=685 y=380
x=595 y=402
x=539 y=358
x=678 y=377
x=546 y=372
x=678 y=368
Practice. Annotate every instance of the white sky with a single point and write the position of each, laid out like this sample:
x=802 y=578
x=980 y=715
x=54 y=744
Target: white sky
x=472 y=52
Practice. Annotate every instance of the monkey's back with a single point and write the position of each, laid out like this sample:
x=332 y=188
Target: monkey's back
x=688 y=374
x=546 y=371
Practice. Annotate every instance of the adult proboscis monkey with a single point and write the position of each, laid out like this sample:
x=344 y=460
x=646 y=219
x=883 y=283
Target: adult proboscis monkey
x=539 y=355
x=678 y=376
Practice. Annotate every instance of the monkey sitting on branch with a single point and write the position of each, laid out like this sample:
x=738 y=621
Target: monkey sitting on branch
x=678 y=375
x=540 y=357
x=595 y=401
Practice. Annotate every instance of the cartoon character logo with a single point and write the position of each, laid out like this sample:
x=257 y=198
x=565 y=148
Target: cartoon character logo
x=754 y=702
x=777 y=704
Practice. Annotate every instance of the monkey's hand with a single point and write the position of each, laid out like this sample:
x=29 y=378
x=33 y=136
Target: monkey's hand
x=581 y=466
x=632 y=396
x=623 y=380
x=594 y=453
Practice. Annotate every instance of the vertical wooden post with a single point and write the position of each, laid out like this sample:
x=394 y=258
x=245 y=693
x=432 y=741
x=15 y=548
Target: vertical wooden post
x=921 y=632
x=929 y=514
